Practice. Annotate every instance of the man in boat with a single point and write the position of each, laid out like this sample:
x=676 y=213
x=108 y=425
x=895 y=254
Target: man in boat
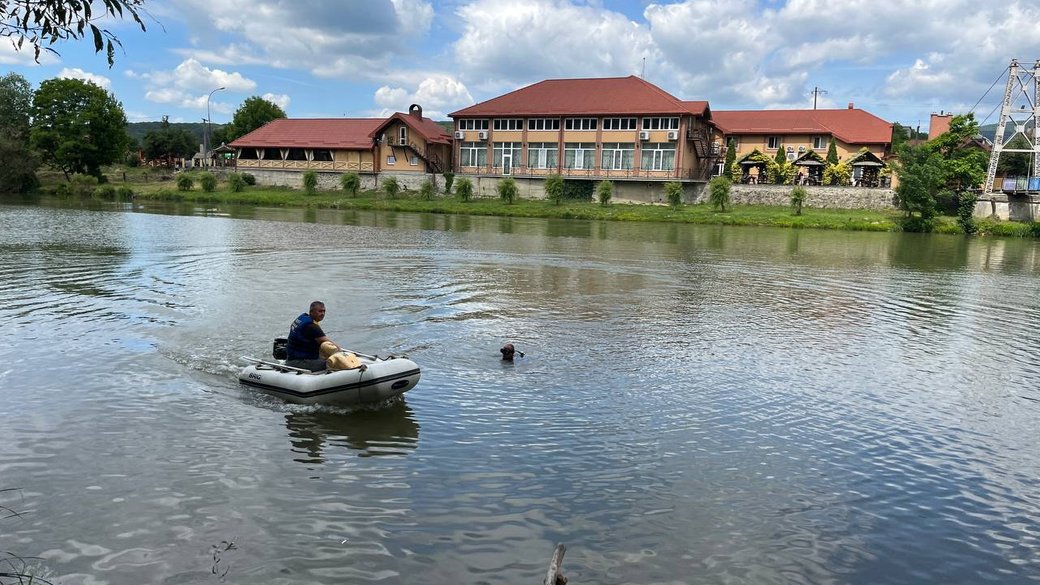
x=305 y=339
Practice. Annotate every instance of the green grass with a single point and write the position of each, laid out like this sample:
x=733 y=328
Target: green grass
x=158 y=185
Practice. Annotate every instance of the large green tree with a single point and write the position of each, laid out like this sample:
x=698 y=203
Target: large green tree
x=167 y=143
x=41 y=24
x=254 y=113
x=17 y=161
x=77 y=126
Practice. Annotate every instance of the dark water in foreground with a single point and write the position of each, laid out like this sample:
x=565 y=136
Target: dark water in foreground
x=697 y=405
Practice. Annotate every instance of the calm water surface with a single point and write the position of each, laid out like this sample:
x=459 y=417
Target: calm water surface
x=702 y=405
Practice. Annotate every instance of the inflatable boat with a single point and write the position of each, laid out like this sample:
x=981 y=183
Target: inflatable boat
x=376 y=380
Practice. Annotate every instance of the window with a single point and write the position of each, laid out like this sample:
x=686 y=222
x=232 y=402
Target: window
x=323 y=155
x=580 y=124
x=773 y=142
x=619 y=123
x=542 y=155
x=473 y=154
x=579 y=155
x=391 y=160
x=473 y=124
x=501 y=149
x=819 y=142
x=543 y=124
x=509 y=124
x=618 y=155
x=658 y=156
x=414 y=160
x=402 y=134
x=660 y=123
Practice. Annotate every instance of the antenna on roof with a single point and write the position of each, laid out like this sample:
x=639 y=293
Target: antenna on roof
x=643 y=74
x=815 y=93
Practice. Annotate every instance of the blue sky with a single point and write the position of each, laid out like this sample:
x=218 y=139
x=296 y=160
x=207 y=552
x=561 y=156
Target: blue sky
x=900 y=60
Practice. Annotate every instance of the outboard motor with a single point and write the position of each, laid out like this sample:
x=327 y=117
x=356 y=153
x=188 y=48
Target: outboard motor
x=278 y=349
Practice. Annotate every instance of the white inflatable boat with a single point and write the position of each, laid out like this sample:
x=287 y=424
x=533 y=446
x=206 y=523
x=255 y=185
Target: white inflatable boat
x=377 y=380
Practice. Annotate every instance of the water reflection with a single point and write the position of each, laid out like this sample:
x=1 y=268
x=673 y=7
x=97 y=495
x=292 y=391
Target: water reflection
x=317 y=435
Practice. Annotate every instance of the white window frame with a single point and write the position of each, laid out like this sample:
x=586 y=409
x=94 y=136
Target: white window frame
x=543 y=124
x=472 y=124
x=499 y=150
x=620 y=123
x=391 y=160
x=819 y=143
x=580 y=123
x=508 y=124
x=661 y=123
x=584 y=155
x=618 y=156
x=538 y=155
x=655 y=156
x=473 y=152
x=774 y=142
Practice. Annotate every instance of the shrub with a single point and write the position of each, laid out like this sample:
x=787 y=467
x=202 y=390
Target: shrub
x=208 y=182
x=351 y=183
x=507 y=189
x=604 y=192
x=236 y=183
x=674 y=193
x=449 y=178
x=391 y=187
x=798 y=199
x=426 y=190
x=105 y=192
x=578 y=190
x=310 y=182
x=249 y=179
x=916 y=223
x=718 y=192
x=464 y=189
x=185 y=182
x=554 y=188
x=966 y=212
x=125 y=193
x=82 y=185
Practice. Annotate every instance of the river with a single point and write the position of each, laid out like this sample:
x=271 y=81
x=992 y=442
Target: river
x=696 y=404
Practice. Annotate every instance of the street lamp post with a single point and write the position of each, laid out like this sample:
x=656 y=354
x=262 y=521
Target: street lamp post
x=205 y=134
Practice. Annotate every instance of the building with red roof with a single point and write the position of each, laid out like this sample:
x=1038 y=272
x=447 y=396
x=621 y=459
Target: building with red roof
x=614 y=128
x=404 y=143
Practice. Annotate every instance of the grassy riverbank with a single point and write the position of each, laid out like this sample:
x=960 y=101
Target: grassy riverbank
x=152 y=185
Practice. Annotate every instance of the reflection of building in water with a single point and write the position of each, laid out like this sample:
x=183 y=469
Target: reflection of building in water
x=387 y=431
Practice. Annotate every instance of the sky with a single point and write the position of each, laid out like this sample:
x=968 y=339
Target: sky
x=900 y=60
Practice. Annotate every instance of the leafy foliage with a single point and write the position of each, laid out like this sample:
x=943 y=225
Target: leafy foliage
x=674 y=193
x=185 y=182
x=391 y=187
x=604 y=192
x=310 y=181
x=40 y=24
x=252 y=114
x=718 y=192
x=1014 y=164
x=966 y=211
x=77 y=126
x=449 y=178
x=798 y=199
x=554 y=189
x=507 y=190
x=19 y=163
x=832 y=152
x=351 y=183
x=16 y=97
x=249 y=179
x=426 y=190
x=208 y=182
x=731 y=157
x=236 y=183
x=168 y=143
x=464 y=189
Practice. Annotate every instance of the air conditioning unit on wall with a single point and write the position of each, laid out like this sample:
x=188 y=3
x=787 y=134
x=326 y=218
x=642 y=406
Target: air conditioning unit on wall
x=673 y=135
x=460 y=135
x=482 y=134
x=644 y=135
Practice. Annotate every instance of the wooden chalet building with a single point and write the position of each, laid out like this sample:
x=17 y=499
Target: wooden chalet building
x=403 y=144
x=620 y=128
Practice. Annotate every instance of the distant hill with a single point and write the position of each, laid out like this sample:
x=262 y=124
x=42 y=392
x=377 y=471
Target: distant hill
x=137 y=130
x=990 y=130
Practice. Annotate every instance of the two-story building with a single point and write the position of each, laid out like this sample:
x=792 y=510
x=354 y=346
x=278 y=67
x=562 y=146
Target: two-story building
x=620 y=129
x=403 y=144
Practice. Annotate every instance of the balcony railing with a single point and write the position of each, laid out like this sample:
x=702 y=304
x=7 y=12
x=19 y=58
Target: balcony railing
x=594 y=173
x=305 y=165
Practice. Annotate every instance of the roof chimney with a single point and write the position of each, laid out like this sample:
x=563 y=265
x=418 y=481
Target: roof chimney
x=852 y=106
x=415 y=110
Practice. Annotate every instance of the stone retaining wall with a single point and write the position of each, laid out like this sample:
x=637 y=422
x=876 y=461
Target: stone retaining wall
x=822 y=197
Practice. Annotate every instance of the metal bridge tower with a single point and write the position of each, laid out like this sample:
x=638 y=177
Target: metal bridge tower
x=1024 y=84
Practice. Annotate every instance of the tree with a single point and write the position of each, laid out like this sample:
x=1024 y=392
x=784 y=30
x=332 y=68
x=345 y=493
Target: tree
x=718 y=192
x=507 y=190
x=731 y=157
x=605 y=192
x=168 y=143
x=674 y=192
x=832 y=152
x=77 y=126
x=464 y=188
x=252 y=114
x=798 y=199
x=44 y=23
x=310 y=181
x=1013 y=164
x=554 y=188
x=17 y=161
x=351 y=183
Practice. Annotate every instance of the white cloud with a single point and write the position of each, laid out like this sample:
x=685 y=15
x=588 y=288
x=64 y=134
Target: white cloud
x=438 y=94
x=77 y=73
x=9 y=55
x=281 y=100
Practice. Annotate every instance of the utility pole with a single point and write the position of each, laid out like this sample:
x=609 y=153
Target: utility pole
x=816 y=93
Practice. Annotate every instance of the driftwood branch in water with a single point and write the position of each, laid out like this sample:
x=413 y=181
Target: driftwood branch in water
x=554 y=576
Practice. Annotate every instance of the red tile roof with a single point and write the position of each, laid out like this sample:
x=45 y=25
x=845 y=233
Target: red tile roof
x=427 y=128
x=612 y=96
x=852 y=126
x=337 y=133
